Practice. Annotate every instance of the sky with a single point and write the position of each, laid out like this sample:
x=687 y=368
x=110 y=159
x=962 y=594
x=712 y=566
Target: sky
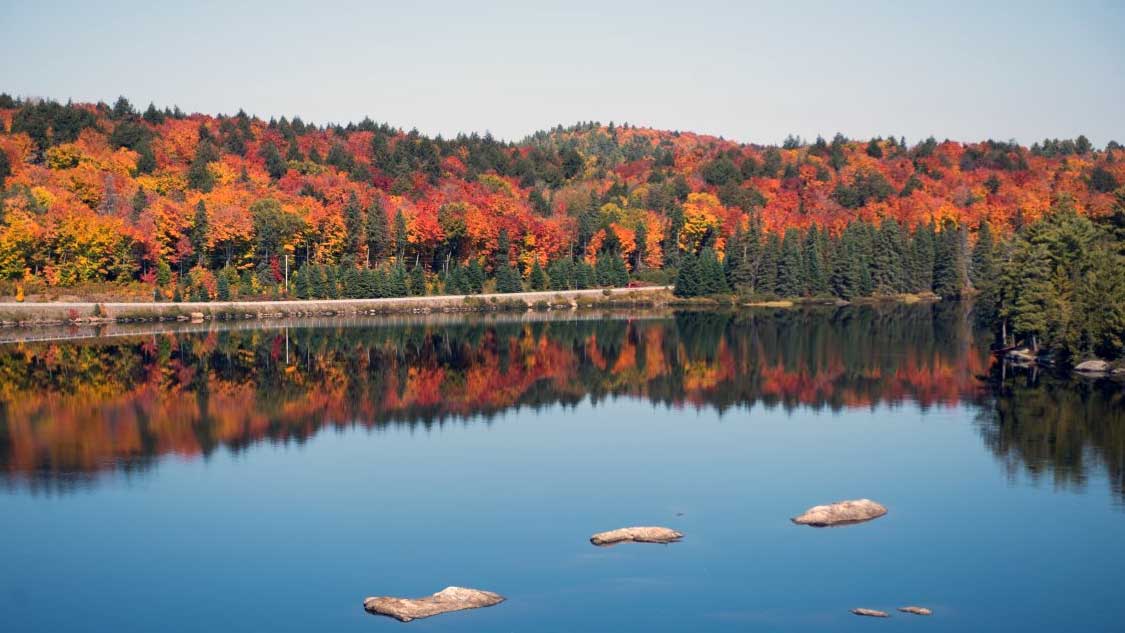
x=746 y=71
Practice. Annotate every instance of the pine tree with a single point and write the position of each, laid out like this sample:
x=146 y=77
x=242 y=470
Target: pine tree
x=790 y=271
x=275 y=164
x=887 y=269
x=560 y=274
x=475 y=277
x=814 y=263
x=301 y=282
x=418 y=280
x=353 y=227
x=331 y=282
x=983 y=266
x=537 y=278
x=397 y=281
x=223 y=287
x=198 y=235
x=377 y=233
x=687 y=278
x=949 y=262
x=765 y=281
x=583 y=275
x=922 y=258
x=349 y=279
x=641 y=238
x=710 y=276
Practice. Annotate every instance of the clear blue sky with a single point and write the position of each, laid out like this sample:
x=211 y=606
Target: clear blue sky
x=1022 y=70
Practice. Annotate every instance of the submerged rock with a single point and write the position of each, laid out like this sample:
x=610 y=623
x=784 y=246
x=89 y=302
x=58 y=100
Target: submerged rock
x=1092 y=367
x=636 y=535
x=871 y=613
x=444 y=601
x=916 y=610
x=841 y=513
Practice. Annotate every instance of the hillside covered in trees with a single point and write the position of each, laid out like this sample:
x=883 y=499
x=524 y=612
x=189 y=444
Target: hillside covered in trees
x=162 y=204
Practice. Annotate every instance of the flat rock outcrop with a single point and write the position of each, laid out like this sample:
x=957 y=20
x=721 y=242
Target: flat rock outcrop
x=871 y=613
x=1092 y=367
x=636 y=535
x=444 y=601
x=916 y=610
x=841 y=513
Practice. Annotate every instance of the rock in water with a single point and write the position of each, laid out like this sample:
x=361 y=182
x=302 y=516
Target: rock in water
x=841 y=513
x=1092 y=367
x=636 y=535
x=444 y=601
x=916 y=610
x=871 y=613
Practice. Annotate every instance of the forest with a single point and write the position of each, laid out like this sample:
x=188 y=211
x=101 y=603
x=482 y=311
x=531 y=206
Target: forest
x=159 y=205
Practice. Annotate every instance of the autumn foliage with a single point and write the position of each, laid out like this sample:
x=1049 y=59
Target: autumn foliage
x=99 y=193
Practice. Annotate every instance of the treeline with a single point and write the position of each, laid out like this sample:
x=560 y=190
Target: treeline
x=158 y=202
x=865 y=259
x=1058 y=284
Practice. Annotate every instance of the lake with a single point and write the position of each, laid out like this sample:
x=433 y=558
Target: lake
x=268 y=477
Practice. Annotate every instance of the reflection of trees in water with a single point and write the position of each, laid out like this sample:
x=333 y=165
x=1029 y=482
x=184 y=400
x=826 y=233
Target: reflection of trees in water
x=1056 y=427
x=81 y=407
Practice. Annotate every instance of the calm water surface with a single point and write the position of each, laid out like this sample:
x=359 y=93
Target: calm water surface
x=269 y=479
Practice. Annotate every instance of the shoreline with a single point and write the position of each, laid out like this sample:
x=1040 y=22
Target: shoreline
x=30 y=315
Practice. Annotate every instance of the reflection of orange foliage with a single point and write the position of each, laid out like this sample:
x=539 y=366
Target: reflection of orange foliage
x=121 y=401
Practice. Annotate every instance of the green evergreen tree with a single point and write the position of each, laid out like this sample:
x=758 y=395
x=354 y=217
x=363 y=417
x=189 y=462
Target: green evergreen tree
x=982 y=269
x=790 y=271
x=888 y=269
x=922 y=258
x=397 y=281
x=475 y=277
x=949 y=262
x=560 y=273
x=198 y=234
x=301 y=282
x=687 y=277
x=537 y=278
x=223 y=288
x=353 y=227
x=400 y=234
x=377 y=233
x=331 y=282
x=765 y=281
x=711 y=279
x=418 y=280
x=816 y=278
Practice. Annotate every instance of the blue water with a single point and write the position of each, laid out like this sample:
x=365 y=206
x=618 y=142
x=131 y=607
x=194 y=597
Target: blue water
x=291 y=536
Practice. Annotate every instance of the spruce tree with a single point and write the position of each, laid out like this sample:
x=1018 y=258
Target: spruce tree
x=765 y=282
x=687 y=278
x=922 y=258
x=397 y=281
x=816 y=279
x=537 y=278
x=475 y=277
x=353 y=227
x=223 y=288
x=710 y=277
x=790 y=271
x=949 y=262
x=983 y=265
x=377 y=233
x=888 y=270
x=198 y=234
x=418 y=280
x=301 y=282
x=331 y=282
